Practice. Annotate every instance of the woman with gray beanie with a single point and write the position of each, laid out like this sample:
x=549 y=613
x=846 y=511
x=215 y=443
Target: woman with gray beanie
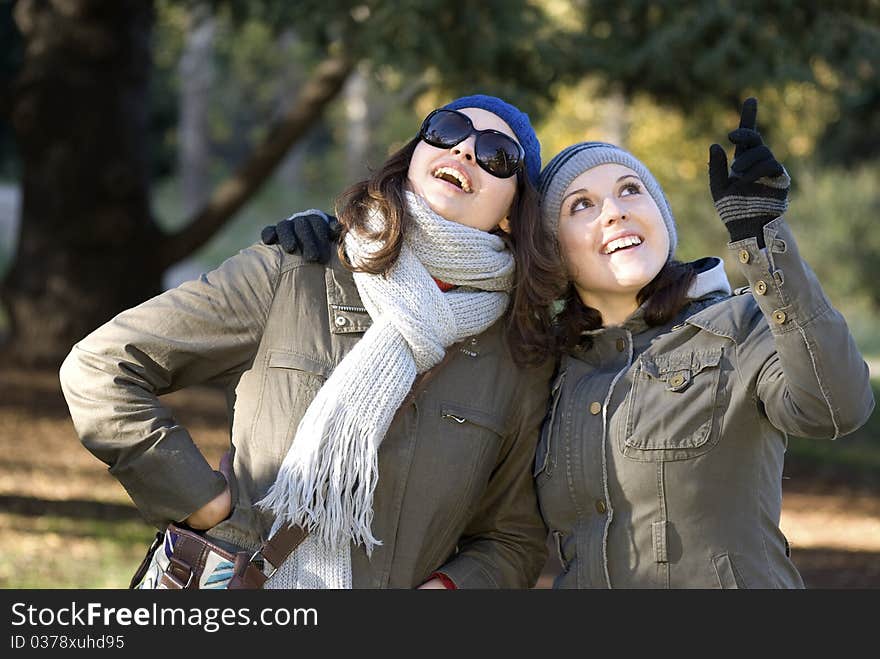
x=660 y=459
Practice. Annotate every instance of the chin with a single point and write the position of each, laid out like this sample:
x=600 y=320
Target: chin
x=639 y=279
x=633 y=281
x=443 y=210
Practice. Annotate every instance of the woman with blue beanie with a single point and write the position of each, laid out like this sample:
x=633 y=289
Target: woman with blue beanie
x=660 y=461
x=386 y=402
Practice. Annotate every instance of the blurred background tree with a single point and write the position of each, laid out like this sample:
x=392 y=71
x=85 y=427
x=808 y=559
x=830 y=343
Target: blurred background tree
x=155 y=138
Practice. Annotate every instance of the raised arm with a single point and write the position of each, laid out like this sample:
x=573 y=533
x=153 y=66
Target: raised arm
x=811 y=378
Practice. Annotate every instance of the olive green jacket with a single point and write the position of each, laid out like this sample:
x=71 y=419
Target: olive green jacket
x=455 y=492
x=660 y=465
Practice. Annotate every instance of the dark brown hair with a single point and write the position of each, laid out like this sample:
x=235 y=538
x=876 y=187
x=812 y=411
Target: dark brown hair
x=384 y=192
x=538 y=279
x=665 y=296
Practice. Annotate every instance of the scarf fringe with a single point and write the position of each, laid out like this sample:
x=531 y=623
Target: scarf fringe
x=329 y=489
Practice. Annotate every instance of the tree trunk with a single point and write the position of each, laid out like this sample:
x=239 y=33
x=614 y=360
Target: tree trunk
x=79 y=113
x=89 y=246
x=357 y=115
x=197 y=72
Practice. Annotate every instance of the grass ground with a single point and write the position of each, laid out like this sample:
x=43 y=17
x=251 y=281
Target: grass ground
x=66 y=523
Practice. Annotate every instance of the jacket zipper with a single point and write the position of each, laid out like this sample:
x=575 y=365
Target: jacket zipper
x=346 y=307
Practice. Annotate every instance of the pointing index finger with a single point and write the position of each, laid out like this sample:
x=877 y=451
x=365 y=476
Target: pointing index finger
x=749 y=116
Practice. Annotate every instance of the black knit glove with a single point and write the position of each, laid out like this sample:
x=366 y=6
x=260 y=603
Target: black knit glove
x=756 y=190
x=311 y=232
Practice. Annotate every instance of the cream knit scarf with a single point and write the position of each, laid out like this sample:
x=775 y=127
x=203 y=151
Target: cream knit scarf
x=326 y=481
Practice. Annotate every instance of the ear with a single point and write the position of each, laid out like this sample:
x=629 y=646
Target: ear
x=504 y=225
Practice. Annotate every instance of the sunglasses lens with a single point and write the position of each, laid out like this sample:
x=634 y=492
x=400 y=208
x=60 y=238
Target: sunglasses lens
x=445 y=128
x=498 y=154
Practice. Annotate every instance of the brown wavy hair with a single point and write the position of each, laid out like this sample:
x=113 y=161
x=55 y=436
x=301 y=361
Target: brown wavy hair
x=665 y=295
x=538 y=280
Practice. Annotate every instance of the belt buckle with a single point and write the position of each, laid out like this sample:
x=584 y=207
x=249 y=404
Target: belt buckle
x=263 y=560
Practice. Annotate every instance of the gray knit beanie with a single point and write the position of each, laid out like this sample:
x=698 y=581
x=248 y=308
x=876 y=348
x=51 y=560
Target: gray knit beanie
x=571 y=162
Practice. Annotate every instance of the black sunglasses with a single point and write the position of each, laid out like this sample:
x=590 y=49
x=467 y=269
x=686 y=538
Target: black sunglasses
x=497 y=153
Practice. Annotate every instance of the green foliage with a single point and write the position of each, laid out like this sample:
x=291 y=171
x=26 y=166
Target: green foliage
x=496 y=46
x=834 y=212
x=687 y=54
x=682 y=51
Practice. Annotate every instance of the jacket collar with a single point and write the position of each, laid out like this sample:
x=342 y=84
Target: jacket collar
x=711 y=279
x=709 y=285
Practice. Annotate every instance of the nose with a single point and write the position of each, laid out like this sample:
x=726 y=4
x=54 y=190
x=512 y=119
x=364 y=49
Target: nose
x=466 y=149
x=611 y=212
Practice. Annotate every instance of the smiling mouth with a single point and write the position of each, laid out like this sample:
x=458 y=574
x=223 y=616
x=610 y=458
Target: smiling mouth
x=453 y=176
x=621 y=244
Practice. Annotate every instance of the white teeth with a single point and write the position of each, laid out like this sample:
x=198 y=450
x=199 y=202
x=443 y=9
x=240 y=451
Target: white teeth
x=620 y=243
x=447 y=173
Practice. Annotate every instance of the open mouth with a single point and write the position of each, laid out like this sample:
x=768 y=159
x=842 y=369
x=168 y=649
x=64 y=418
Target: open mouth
x=453 y=176
x=622 y=244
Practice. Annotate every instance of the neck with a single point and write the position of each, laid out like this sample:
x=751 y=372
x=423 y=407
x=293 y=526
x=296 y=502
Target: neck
x=615 y=308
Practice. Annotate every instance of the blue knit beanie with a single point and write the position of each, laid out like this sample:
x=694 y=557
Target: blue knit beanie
x=515 y=118
x=573 y=161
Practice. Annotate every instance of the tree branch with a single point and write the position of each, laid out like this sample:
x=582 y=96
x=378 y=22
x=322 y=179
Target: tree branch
x=324 y=85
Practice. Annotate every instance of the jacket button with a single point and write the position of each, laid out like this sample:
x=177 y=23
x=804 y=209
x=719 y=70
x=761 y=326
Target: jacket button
x=744 y=256
x=621 y=344
x=601 y=508
x=340 y=321
x=676 y=380
x=595 y=407
x=760 y=287
x=779 y=316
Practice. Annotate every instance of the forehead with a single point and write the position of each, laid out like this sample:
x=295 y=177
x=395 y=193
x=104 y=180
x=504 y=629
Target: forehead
x=600 y=177
x=485 y=120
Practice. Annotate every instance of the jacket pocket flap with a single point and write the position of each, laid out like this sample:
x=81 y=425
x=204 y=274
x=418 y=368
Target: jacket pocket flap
x=283 y=359
x=660 y=367
x=461 y=414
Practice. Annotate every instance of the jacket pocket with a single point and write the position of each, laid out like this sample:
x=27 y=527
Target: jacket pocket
x=298 y=362
x=470 y=418
x=545 y=454
x=674 y=409
x=460 y=450
x=290 y=382
x=726 y=572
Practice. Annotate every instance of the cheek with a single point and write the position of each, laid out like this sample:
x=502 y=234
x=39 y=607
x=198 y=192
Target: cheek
x=657 y=226
x=417 y=160
x=497 y=197
x=658 y=257
x=504 y=190
x=665 y=244
x=574 y=246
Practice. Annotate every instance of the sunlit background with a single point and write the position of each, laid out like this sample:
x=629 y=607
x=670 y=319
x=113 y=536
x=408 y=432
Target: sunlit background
x=212 y=88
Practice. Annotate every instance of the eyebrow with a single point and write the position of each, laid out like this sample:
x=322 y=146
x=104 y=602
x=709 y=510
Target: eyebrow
x=579 y=190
